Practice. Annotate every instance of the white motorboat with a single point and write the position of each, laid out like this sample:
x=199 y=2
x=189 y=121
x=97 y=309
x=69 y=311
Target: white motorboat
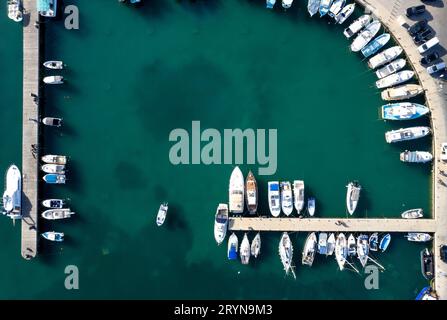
x=341 y=250
x=352 y=245
x=244 y=250
x=363 y=249
x=336 y=7
x=236 y=191
x=54 y=178
x=53 y=168
x=298 y=195
x=403 y=111
x=53 y=236
x=416 y=156
x=309 y=250
x=395 y=78
x=251 y=193
x=286 y=4
x=384 y=57
x=357 y=25
x=413 y=214
x=330 y=245
x=345 y=13
x=325 y=5
x=313 y=6
x=162 y=212
x=55 y=159
x=47 y=8
x=286 y=198
x=285 y=249
x=53 y=80
x=418 y=237
x=311 y=206
x=256 y=245
x=52 y=122
x=12 y=197
x=274 y=200
x=365 y=36
x=53 y=203
x=322 y=243
x=391 y=68
x=54 y=65
x=221 y=223
x=270 y=4
x=15 y=10
x=402 y=92
x=406 y=134
x=374 y=242
x=233 y=245
x=352 y=196
x=57 y=214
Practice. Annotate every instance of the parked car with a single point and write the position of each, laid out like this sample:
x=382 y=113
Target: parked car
x=428 y=45
x=444 y=253
x=414 y=11
x=429 y=58
x=436 y=68
x=444 y=151
x=418 y=27
x=423 y=36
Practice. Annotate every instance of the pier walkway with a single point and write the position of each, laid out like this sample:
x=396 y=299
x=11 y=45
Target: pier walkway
x=30 y=186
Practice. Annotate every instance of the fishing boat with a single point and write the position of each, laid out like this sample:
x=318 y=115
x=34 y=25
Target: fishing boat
x=352 y=196
x=236 y=191
x=52 y=122
x=406 y=134
x=286 y=4
x=427 y=293
x=352 y=245
x=298 y=195
x=55 y=159
x=330 y=245
x=391 y=68
x=53 y=80
x=416 y=156
x=15 y=10
x=47 y=8
x=345 y=13
x=365 y=36
x=403 y=111
x=244 y=250
x=54 y=178
x=341 y=251
x=413 y=214
x=162 y=212
x=233 y=244
x=286 y=198
x=221 y=223
x=325 y=5
x=357 y=25
x=374 y=46
x=427 y=264
x=418 y=237
x=53 y=168
x=384 y=57
x=336 y=7
x=402 y=92
x=274 y=200
x=54 y=65
x=12 y=196
x=270 y=4
x=311 y=206
x=57 y=214
x=322 y=243
x=285 y=249
x=374 y=242
x=395 y=78
x=251 y=193
x=256 y=245
x=363 y=249
x=309 y=250
x=385 y=242
x=53 y=236
x=53 y=203
x=313 y=6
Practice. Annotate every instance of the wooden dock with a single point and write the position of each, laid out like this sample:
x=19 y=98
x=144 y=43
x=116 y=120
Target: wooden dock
x=30 y=138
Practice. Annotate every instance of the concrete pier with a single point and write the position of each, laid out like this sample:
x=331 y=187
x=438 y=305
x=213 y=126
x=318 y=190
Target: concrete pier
x=30 y=173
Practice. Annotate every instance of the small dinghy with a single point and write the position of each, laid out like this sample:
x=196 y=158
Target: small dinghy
x=251 y=190
x=391 y=68
x=53 y=178
x=162 y=212
x=374 y=242
x=53 y=203
x=345 y=13
x=406 y=134
x=298 y=195
x=341 y=251
x=274 y=200
x=365 y=36
x=55 y=159
x=286 y=4
x=256 y=245
x=395 y=78
x=403 y=111
x=418 y=237
x=352 y=196
x=374 y=46
x=357 y=25
x=325 y=5
x=363 y=249
x=427 y=264
x=285 y=249
x=233 y=244
x=385 y=242
x=270 y=4
x=330 y=245
x=384 y=57
x=53 y=80
x=416 y=156
x=53 y=168
x=52 y=122
x=53 y=236
x=413 y=214
x=311 y=206
x=309 y=250
x=286 y=198
x=244 y=250
x=54 y=65
x=313 y=6
x=14 y=10
x=402 y=92
x=221 y=223
x=57 y=214
x=322 y=243
x=336 y=7
x=352 y=245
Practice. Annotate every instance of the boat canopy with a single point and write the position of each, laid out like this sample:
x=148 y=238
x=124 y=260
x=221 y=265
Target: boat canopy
x=43 y=5
x=232 y=254
x=274 y=187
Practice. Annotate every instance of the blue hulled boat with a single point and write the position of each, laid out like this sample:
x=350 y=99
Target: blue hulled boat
x=403 y=111
x=270 y=4
x=376 y=45
x=385 y=242
x=325 y=5
x=426 y=294
x=53 y=178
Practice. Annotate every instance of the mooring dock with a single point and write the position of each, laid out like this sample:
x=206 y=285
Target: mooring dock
x=30 y=138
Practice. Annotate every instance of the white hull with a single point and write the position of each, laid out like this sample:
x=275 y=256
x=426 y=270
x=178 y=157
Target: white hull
x=286 y=198
x=330 y=244
x=341 y=251
x=161 y=215
x=406 y=134
x=286 y=4
x=221 y=223
x=251 y=193
x=12 y=197
x=336 y=7
x=53 y=203
x=384 y=57
x=274 y=198
x=14 y=10
x=298 y=195
x=352 y=246
x=394 y=79
x=311 y=206
x=54 y=65
x=54 y=236
x=352 y=196
x=363 y=249
x=55 y=159
x=244 y=250
x=356 y=26
x=57 y=214
x=53 y=80
x=345 y=13
x=416 y=156
x=256 y=245
x=285 y=249
x=418 y=237
x=413 y=214
x=309 y=250
x=53 y=168
x=402 y=92
x=391 y=68
x=236 y=191
x=365 y=36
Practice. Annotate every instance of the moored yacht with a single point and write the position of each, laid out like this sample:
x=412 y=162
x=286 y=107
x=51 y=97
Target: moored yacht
x=313 y=6
x=341 y=251
x=363 y=249
x=322 y=243
x=385 y=242
x=413 y=214
x=403 y=111
x=233 y=244
x=311 y=206
x=418 y=237
x=416 y=156
x=274 y=200
x=357 y=25
x=336 y=7
x=221 y=223
x=53 y=236
x=286 y=198
x=53 y=168
x=256 y=245
x=391 y=68
x=12 y=197
x=286 y=4
x=15 y=10
x=53 y=203
x=384 y=57
x=352 y=196
x=352 y=245
x=285 y=249
x=236 y=191
x=57 y=214
x=162 y=213
x=345 y=13
x=270 y=4
x=402 y=92
x=52 y=122
x=298 y=195
x=47 y=8
x=427 y=264
x=375 y=45
x=325 y=5
x=365 y=36
x=56 y=159
x=54 y=65
x=309 y=250
x=251 y=190
x=405 y=134
x=395 y=78
x=244 y=250
x=330 y=244
x=374 y=242
x=53 y=80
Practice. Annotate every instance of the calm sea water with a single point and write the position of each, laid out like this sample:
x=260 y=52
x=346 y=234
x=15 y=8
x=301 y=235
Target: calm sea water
x=133 y=75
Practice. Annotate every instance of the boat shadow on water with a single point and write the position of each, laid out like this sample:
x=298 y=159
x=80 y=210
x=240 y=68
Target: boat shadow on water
x=175 y=218
x=200 y=7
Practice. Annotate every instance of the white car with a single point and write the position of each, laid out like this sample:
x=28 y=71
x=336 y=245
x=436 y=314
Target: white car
x=428 y=45
x=444 y=151
x=436 y=68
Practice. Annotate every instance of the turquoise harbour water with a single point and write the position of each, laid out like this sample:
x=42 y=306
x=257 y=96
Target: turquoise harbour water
x=135 y=74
